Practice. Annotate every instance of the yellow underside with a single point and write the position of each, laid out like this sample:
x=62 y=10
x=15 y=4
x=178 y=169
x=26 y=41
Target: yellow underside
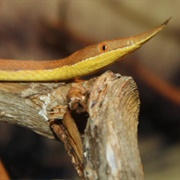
x=84 y=66
x=66 y=72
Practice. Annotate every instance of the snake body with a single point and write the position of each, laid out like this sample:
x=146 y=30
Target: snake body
x=83 y=62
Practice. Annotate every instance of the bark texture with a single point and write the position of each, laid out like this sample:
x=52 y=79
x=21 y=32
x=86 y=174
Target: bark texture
x=111 y=107
x=111 y=147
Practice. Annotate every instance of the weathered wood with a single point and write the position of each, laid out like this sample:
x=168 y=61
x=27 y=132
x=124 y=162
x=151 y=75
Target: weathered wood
x=110 y=139
x=30 y=104
x=111 y=147
x=26 y=105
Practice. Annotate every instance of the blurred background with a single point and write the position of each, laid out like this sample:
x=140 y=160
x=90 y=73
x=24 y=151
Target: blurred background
x=54 y=29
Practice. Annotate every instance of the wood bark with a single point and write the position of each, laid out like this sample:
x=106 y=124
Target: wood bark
x=110 y=137
x=111 y=147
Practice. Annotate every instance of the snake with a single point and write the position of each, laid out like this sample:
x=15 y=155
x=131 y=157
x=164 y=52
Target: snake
x=85 y=61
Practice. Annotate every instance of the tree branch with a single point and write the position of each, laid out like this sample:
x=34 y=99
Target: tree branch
x=111 y=148
x=54 y=109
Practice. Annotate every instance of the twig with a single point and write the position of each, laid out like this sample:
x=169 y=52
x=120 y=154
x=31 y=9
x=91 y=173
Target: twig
x=162 y=86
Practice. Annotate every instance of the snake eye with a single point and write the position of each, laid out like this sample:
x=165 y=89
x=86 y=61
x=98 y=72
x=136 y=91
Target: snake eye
x=103 y=47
